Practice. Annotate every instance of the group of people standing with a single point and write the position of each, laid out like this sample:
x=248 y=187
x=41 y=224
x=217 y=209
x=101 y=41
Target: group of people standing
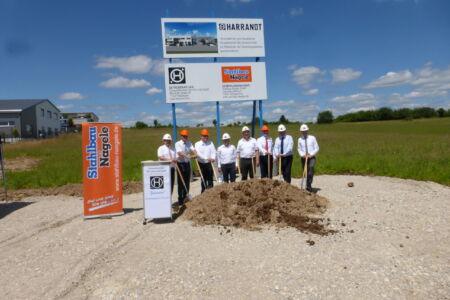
x=249 y=154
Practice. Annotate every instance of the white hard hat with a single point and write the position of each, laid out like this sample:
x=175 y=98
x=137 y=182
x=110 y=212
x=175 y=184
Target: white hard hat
x=304 y=127
x=167 y=137
x=281 y=128
x=226 y=136
x=245 y=128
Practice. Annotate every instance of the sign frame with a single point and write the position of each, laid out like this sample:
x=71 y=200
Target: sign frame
x=212 y=37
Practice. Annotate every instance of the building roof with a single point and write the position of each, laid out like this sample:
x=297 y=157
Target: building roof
x=20 y=104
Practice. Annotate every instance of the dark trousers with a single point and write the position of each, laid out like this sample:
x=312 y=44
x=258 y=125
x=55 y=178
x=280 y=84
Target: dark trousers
x=185 y=170
x=266 y=170
x=228 y=172
x=208 y=174
x=286 y=166
x=245 y=164
x=309 y=171
x=172 y=179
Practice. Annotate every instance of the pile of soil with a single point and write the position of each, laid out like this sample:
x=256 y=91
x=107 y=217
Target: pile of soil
x=74 y=189
x=251 y=204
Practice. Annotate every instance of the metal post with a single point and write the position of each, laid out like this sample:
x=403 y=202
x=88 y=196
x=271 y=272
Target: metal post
x=261 y=123
x=253 y=118
x=174 y=118
x=218 y=141
x=3 y=168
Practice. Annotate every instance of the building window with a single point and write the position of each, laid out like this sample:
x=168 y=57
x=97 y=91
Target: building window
x=49 y=114
x=55 y=115
x=42 y=112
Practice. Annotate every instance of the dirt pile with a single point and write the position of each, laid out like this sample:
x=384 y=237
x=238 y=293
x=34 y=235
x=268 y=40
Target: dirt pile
x=251 y=204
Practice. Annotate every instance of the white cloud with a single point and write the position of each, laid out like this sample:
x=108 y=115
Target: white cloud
x=296 y=11
x=71 y=96
x=361 y=108
x=311 y=92
x=391 y=79
x=303 y=76
x=65 y=106
x=344 y=75
x=359 y=99
x=122 y=82
x=132 y=64
x=153 y=91
x=279 y=111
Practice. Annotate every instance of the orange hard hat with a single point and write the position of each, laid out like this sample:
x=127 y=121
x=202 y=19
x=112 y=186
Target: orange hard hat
x=265 y=128
x=204 y=132
x=184 y=132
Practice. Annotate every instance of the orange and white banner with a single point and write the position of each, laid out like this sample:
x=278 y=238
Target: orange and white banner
x=102 y=169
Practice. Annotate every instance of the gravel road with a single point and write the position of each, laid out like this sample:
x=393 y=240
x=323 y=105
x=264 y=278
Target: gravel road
x=393 y=242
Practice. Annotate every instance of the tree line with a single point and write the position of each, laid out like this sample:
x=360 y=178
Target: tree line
x=384 y=114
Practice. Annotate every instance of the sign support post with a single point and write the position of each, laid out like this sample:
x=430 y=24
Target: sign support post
x=174 y=118
x=253 y=118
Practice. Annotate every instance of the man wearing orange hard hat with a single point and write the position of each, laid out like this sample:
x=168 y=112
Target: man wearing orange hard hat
x=206 y=156
x=265 y=145
x=184 y=150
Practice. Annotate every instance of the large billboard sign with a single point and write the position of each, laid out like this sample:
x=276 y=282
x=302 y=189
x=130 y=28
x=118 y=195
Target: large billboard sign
x=190 y=37
x=102 y=169
x=200 y=82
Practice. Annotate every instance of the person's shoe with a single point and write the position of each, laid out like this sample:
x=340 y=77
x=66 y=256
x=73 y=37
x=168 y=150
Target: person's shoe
x=309 y=189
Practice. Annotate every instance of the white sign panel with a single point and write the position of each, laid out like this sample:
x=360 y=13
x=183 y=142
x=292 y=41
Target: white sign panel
x=212 y=37
x=157 y=195
x=215 y=82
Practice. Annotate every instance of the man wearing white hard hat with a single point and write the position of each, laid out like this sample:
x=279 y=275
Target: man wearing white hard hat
x=308 y=149
x=282 y=152
x=248 y=154
x=166 y=152
x=226 y=159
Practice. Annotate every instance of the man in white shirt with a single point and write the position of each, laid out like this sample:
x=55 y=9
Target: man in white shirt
x=282 y=151
x=308 y=148
x=226 y=159
x=206 y=155
x=166 y=152
x=265 y=146
x=184 y=151
x=248 y=154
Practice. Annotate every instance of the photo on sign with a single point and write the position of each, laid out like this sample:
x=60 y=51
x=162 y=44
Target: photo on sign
x=190 y=37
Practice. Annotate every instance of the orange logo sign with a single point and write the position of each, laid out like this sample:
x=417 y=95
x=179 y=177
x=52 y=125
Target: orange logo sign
x=237 y=74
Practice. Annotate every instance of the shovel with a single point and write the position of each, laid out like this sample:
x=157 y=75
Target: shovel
x=305 y=172
x=201 y=174
x=188 y=196
x=279 y=169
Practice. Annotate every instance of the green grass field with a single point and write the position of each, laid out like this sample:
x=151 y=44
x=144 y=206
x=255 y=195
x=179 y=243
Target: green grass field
x=418 y=149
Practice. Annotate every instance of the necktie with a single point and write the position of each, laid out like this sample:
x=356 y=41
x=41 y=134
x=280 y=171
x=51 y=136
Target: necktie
x=282 y=145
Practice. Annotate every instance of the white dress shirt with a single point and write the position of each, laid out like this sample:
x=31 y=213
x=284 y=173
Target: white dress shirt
x=247 y=148
x=261 y=141
x=168 y=154
x=311 y=142
x=205 y=151
x=226 y=155
x=184 y=148
x=288 y=145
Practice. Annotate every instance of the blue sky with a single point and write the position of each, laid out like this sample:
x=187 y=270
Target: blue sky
x=199 y=29
x=106 y=56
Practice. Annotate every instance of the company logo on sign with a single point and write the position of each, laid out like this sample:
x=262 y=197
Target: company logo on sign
x=91 y=154
x=237 y=74
x=156 y=182
x=177 y=75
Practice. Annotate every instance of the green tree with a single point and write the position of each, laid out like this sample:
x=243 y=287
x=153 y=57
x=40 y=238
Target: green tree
x=156 y=123
x=15 y=133
x=441 y=112
x=70 y=122
x=140 y=125
x=214 y=122
x=283 y=119
x=325 y=117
